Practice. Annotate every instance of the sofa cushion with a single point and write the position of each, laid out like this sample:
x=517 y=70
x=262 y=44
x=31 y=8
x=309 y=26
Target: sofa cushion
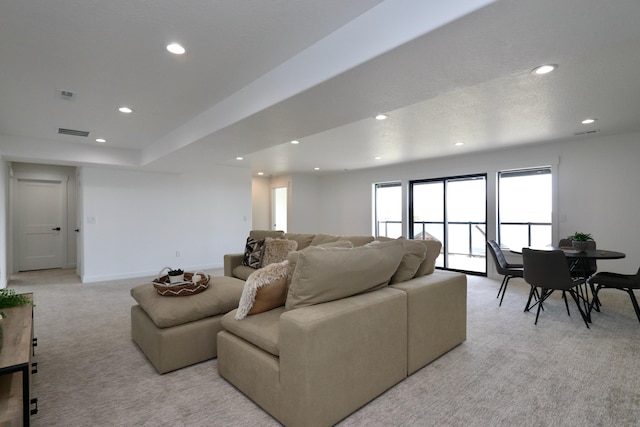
x=357 y=240
x=293 y=256
x=320 y=239
x=276 y=250
x=253 y=250
x=429 y=264
x=264 y=290
x=327 y=274
x=243 y=272
x=261 y=330
x=222 y=295
x=414 y=254
x=303 y=240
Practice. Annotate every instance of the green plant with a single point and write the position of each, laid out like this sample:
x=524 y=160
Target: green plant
x=9 y=298
x=176 y=272
x=581 y=237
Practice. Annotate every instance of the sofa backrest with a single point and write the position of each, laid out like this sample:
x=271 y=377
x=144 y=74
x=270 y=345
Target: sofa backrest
x=303 y=239
x=321 y=239
x=309 y=239
x=263 y=234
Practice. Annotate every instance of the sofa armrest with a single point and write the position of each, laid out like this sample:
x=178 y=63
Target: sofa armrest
x=231 y=261
x=337 y=356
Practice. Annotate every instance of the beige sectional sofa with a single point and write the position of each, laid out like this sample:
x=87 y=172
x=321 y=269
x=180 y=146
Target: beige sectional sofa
x=314 y=363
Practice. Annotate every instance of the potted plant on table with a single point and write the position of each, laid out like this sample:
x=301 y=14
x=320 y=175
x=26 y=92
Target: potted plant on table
x=176 y=276
x=579 y=241
x=8 y=299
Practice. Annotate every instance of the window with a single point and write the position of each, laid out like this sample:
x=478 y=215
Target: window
x=454 y=211
x=388 y=210
x=524 y=207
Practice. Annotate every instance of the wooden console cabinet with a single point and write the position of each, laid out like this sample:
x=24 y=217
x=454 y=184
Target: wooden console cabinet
x=16 y=366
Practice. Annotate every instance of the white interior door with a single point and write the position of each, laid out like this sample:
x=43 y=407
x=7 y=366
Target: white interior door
x=41 y=222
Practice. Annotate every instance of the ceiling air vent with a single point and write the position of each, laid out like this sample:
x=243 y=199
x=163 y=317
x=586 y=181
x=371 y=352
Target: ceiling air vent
x=587 y=132
x=73 y=132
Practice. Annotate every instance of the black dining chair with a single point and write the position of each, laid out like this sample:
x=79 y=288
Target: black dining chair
x=623 y=282
x=505 y=268
x=549 y=271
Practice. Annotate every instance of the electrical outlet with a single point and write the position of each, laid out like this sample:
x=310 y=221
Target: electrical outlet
x=177 y=254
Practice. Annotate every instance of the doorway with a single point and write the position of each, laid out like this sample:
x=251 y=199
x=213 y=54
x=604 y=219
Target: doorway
x=42 y=219
x=39 y=220
x=279 y=208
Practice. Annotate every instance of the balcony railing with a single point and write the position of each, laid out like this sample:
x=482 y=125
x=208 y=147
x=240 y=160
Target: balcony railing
x=533 y=238
x=475 y=248
x=382 y=227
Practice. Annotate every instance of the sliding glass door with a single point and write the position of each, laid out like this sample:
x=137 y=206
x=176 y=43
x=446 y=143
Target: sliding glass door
x=454 y=211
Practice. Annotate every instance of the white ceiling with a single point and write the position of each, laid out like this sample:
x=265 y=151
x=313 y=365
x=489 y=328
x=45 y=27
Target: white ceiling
x=259 y=73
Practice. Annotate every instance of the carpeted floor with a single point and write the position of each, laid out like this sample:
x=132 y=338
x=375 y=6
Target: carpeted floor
x=508 y=372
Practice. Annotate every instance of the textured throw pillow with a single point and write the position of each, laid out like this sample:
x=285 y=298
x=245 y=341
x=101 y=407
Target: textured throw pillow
x=253 y=252
x=276 y=250
x=323 y=275
x=264 y=290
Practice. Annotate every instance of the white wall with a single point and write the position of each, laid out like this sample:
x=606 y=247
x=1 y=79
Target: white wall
x=302 y=202
x=261 y=203
x=304 y=214
x=142 y=219
x=596 y=190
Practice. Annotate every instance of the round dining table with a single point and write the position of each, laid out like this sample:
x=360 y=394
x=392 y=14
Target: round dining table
x=583 y=258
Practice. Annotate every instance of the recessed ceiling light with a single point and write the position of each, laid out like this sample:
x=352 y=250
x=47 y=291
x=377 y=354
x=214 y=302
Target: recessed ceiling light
x=175 y=48
x=316 y=169
x=588 y=121
x=260 y=173
x=239 y=158
x=459 y=143
x=381 y=117
x=377 y=158
x=125 y=110
x=295 y=141
x=544 y=69
x=101 y=140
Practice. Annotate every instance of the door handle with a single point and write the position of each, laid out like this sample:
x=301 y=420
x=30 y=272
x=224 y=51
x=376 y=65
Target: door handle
x=77 y=230
x=56 y=229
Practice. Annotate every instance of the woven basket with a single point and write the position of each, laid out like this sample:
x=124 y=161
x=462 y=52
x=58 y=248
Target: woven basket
x=167 y=289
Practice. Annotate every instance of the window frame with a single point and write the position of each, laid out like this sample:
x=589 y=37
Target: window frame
x=525 y=171
x=376 y=186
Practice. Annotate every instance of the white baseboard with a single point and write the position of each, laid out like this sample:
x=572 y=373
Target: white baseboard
x=142 y=274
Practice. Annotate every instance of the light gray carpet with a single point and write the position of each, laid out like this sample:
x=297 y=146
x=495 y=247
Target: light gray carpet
x=508 y=372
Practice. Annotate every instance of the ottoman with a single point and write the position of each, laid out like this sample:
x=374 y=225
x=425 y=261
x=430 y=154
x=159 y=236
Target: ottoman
x=174 y=332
